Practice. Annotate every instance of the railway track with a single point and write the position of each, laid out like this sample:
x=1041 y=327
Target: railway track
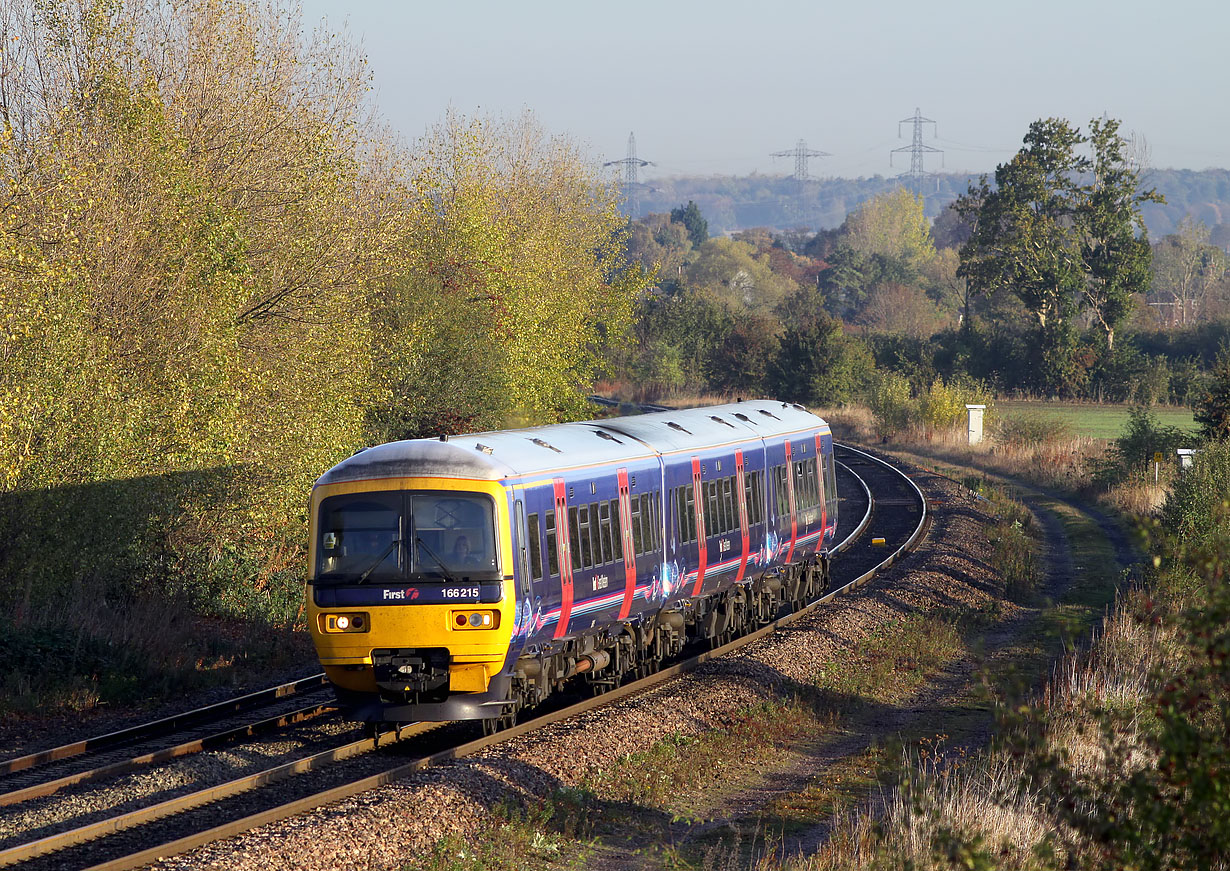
x=895 y=517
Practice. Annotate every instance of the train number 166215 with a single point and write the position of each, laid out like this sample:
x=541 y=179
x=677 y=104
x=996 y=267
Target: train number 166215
x=461 y=592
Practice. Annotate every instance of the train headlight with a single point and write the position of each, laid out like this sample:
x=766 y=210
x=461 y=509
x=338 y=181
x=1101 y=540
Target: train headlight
x=350 y=622
x=476 y=619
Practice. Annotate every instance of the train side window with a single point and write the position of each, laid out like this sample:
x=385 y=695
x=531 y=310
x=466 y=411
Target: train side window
x=535 y=548
x=648 y=526
x=730 y=503
x=604 y=521
x=591 y=549
x=689 y=511
x=552 y=548
x=637 y=541
x=713 y=515
x=574 y=538
x=617 y=531
x=782 y=500
x=758 y=495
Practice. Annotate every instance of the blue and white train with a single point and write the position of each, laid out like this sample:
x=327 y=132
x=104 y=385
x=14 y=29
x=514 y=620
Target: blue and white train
x=470 y=577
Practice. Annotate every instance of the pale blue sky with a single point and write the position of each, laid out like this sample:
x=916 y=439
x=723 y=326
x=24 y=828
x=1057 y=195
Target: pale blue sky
x=714 y=87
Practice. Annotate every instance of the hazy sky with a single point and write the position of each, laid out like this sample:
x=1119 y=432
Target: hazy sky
x=714 y=87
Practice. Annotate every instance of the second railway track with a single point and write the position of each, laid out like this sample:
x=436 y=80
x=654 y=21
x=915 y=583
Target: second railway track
x=878 y=502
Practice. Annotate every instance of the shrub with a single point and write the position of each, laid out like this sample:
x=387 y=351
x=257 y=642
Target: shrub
x=1027 y=430
x=1130 y=455
x=891 y=405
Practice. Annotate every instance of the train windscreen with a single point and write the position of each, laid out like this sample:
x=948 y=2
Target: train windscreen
x=395 y=536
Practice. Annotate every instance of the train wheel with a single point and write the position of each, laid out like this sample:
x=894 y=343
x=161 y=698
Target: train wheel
x=500 y=723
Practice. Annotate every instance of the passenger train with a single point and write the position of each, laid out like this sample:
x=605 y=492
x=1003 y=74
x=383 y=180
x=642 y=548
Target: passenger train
x=470 y=577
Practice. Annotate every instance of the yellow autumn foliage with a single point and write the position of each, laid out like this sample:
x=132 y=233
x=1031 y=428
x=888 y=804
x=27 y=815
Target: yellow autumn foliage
x=218 y=277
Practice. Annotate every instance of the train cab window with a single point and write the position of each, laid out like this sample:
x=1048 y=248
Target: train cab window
x=358 y=535
x=552 y=545
x=535 y=544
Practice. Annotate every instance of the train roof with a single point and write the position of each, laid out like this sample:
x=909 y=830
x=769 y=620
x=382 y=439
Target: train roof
x=494 y=456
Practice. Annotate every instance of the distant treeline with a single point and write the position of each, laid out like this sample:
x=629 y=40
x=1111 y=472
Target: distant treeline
x=732 y=203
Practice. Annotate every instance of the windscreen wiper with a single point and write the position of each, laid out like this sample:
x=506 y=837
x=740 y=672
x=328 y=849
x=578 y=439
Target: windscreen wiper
x=431 y=553
x=388 y=550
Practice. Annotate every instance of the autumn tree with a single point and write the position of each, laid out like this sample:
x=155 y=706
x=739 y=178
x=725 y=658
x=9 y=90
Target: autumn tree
x=1060 y=231
x=1186 y=268
x=1025 y=241
x=519 y=244
x=1114 y=244
x=891 y=225
x=194 y=205
x=734 y=274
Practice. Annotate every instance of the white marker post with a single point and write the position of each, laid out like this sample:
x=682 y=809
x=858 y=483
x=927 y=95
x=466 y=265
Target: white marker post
x=975 y=423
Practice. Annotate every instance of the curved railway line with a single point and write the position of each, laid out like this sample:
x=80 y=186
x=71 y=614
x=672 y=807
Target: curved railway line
x=883 y=515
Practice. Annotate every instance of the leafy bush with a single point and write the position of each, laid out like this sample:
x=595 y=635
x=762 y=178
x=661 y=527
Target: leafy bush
x=891 y=405
x=1129 y=457
x=1030 y=430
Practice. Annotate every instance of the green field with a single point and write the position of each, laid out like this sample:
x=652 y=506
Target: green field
x=1095 y=421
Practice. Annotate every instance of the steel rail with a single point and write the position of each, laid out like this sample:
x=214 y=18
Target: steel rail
x=62 y=840
x=187 y=748
x=166 y=724
x=862 y=524
x=347 y=790
x=134 y=860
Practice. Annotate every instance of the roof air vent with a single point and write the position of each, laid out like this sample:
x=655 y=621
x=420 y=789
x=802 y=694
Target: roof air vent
x=674 y=425
x=744 y=417
x=546 y=445
x=769 y=414
x=723 y=422
x=484 y=448
x=606 y=435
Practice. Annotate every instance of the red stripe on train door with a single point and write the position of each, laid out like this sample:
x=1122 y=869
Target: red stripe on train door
x=564 y=551
x=740 y=478
x=625 y=536
x=794 y=517
x=701 y=544
x=824 y=515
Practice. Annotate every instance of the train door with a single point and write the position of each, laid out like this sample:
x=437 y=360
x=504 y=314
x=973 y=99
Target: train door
x=741 y=496
x=791 y=502
x=698 y=511
x=564 y=556
x=626 y=544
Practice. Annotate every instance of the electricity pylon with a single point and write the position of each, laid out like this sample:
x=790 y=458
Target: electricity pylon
x=631 y=168
x=801 y=154
x=916 y=149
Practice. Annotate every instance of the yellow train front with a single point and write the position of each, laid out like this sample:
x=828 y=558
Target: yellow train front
x=405 y=551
